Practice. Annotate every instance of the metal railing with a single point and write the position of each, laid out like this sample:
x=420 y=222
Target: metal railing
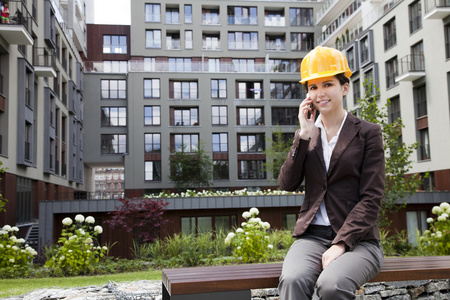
x=44 y=57
x=434 y=4
x=19 y=15
x=411 y=63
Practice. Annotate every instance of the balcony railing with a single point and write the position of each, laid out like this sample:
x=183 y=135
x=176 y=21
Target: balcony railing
x=411 y=67
x=276 y=45
x=19 y=15
x=44 y=57
x=28 y=151
x=431 y=5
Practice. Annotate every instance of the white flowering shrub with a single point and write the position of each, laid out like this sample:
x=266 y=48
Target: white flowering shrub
x=436 y=240
x=250 y=243
x=13 y=251
x=210 y=193
x=76 y=252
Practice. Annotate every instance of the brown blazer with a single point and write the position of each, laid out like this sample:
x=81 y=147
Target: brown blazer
x=352 y=189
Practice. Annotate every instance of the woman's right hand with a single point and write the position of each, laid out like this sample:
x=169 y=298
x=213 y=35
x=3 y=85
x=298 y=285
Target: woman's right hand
x=306 y=124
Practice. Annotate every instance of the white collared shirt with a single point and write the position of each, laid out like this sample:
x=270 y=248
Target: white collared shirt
x=321 y=217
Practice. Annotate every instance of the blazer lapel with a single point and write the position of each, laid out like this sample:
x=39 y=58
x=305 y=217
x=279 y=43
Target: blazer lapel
x=316 y=144
x=348 y=132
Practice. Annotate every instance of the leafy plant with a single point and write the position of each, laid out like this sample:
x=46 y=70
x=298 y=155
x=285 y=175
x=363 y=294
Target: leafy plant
x=398 y=154
x=276 y=152
x=436 y=241
x=3 y=200
x=76 y=253
x=142 y=217
x=251 y=242
x=13 y=251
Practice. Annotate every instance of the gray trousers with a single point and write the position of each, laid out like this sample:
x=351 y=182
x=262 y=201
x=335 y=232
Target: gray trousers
x=302 y=270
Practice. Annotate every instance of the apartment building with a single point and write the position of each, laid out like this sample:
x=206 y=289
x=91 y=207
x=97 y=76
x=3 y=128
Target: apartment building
x=403 y=46
x=41 y=105
x=211 y=73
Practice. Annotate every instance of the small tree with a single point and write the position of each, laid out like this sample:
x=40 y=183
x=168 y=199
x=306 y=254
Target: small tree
x=276 y=152
x=397 y=153
x=2 y=199
x=190 y=169
x=142 y=217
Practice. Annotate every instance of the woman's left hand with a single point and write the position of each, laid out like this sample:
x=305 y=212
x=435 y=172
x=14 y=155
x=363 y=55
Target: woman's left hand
x=332 y=253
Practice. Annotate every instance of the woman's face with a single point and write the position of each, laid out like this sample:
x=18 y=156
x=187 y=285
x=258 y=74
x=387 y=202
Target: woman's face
x=327 y=94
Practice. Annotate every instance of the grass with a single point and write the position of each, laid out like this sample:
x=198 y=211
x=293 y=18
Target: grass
x=15 y=287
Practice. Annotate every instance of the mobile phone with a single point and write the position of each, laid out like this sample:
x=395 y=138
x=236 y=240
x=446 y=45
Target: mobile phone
x=311 y=105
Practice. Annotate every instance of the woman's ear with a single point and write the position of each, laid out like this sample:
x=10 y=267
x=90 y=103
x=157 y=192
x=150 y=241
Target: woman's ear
x=345 y=89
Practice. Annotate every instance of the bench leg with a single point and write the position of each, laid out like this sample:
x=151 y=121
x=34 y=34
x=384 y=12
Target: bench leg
x=235 y=295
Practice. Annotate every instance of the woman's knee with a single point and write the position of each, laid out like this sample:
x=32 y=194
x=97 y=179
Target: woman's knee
x=332 y=286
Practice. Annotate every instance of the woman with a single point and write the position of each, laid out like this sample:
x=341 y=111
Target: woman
x=340 y=158
x=5 y=13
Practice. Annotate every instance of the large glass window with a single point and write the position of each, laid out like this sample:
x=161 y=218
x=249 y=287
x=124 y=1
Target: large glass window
x=113 y=143
x=221 y=170
x=274 y=17
x=218 y=88
x=189 y=141
x=153 y=170
x=282 y=65
x=284 y=115
x=250 y=90
x=152 y=142
x=219 y=115
x=114 y=116
x=251 y=142
x=173 y=40
x=180 y=64
x=211 y=41
x=153 y=13
x=172 y=15
x=415 y=16
x=152 y=115
x=251 y=169
x=184 y=90
x=113 y=89
x=242 y=40
x=424 y=144
x=356 y=91
x=242 y=15
x=188 y=39
x=302 y=41
x=185 y=116
x=210 y=16
x=220 y=142
x=416 y=221
x=152 y=88
x=391 y=72
x=390 y=34
x=301 y=17
x=115 y=44
x=188 y=13
x=153 y=38
x=286 y=90
x=250 y=116
x=394 y=109
x=421 y=101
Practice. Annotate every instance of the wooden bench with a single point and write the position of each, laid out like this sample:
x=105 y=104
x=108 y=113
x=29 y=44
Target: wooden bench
x=236 y=281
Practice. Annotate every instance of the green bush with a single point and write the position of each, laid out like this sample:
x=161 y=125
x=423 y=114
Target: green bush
x=14 y=253
x=436 y=240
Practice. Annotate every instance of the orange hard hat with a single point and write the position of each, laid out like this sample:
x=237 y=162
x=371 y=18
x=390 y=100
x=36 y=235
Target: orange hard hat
x=323 y=62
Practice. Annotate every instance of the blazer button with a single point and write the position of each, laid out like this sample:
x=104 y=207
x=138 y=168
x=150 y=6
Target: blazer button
x=324 y=187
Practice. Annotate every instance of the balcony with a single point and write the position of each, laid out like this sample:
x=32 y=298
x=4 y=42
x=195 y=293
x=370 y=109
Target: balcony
x=44 y=62
x=17 y=30
x=2 y=97
x=276 y=45
x=411 y=67
x=437 y=9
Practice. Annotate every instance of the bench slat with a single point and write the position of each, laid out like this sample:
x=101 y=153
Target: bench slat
x=255 y=276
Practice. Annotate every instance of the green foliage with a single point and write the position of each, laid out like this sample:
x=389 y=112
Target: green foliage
x=14 y=253
x=397 y=153
x=210 y=193
x=190 y=169
x=2 y=199
x=251 y=242
x=395 y=245
x=276 y=152
x=77 y=253
x=436 y=241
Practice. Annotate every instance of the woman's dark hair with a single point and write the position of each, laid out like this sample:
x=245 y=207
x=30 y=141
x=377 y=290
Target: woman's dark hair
x=340 y=77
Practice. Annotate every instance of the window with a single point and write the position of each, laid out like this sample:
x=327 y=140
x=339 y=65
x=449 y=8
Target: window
x=364 y=46
x=356 y=91
x=189 y=141
x=242 y=15
x=183 y=89
x=196 y=225
x=116 y=44
x=286 y=90
x=276 y=42
x=185 y=116
x=210 y=16
x=289 y=221
x=391 y=72
x=152 y=88
x=243 y=40
x=114 y=116
x=447 y=40
x=415 y=16
x=249 y=116
x=188 y=39
x=113 y=143
x=173 y=40
x=152 y=115
x=390 y=35
x=214 y=65
x=351 y=58
x=115 y=66
x=249 y=90
x=251 y=169
x=153 y=38
x=221 y=170
x=218 y=88
x=220 y=142
x=283 y=65
x=153 y=170
x=219 y=115
x=180 y=64
x=251 y=143
x=394 y=109
x=416 y=221
x=211 y=41
x=188 y=14
x=113 y=89
x=424 y=144
x=172 y=15
x=244 y=66
x=284 y=115
x=152 y=142
x=420 y=95
x=301 y=17
x=417 y=63
x=153 y=13
x=274 y=18
x=302 y=41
